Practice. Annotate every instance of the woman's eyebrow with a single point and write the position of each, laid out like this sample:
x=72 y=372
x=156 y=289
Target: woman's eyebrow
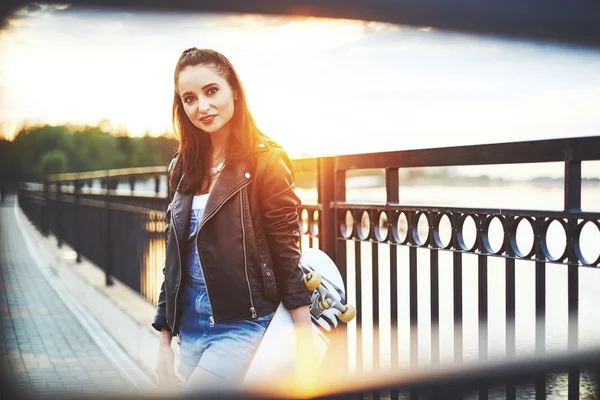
x=203 y=88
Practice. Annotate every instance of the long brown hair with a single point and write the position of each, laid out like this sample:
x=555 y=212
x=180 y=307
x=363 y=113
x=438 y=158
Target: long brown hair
x=194 y=143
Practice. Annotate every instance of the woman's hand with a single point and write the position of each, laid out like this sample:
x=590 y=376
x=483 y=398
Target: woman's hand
x=165 y=360
x=307 y=358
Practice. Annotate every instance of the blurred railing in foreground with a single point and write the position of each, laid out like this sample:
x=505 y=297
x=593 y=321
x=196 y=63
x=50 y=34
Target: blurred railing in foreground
x=463 y=382
x=123 y=234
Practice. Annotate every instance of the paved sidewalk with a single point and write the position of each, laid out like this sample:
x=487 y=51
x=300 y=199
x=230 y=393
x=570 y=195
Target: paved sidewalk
x=44 y=350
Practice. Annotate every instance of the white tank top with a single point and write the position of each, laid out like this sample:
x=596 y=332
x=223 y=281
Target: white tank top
x=199 y=202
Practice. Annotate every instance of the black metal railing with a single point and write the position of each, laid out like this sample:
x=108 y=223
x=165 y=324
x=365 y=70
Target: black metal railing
x=121 y=233
x=369 y=241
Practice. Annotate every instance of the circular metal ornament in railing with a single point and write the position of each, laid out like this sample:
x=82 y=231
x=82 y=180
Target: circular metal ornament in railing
x=313 y=226
x=514 y=227
x=346 y=223
x=381 y=228
x=577 y=243
x=399 y=227
x=155 y=222
x=460 y=233
x=417 y=223
x=485 y=234
x=544 y=240
x=304 y=223
x=363 y=227
x=437 y=229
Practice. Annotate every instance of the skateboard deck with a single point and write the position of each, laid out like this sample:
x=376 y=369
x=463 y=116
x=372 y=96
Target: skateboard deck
x=276 y=353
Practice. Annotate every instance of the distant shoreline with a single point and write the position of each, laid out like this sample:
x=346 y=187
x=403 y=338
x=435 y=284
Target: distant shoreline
x=488 y=181
x=367 y=181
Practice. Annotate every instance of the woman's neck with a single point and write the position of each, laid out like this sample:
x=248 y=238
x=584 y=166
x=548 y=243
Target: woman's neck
x=219 y=144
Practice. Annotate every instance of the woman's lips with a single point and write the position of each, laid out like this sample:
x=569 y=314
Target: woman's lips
x=208 y=119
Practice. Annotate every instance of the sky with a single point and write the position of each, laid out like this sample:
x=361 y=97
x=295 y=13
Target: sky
x=317 y=86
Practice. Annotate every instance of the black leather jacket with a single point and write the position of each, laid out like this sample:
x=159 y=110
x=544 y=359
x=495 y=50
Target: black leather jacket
x=247 y=242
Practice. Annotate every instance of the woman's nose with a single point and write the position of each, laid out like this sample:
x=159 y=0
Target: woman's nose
x=203 y=104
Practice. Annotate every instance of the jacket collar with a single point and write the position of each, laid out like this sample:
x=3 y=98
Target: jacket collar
x=233 y=178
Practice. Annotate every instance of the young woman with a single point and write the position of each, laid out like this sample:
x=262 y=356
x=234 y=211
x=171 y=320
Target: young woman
x=232 y=236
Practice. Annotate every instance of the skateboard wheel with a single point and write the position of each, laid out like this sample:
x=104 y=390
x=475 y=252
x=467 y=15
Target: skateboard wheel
x=349 y=315
x=312 y=280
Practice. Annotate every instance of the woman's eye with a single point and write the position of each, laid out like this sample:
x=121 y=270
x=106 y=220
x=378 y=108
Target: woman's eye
x=212 y=91
x=188 y=100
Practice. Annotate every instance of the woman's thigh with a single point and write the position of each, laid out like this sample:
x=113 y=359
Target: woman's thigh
x=231 y=348
x=201 y=379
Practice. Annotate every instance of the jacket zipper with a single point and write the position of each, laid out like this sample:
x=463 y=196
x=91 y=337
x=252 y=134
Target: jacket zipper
x=179 y=255
x=179 y=280
x=252 y=309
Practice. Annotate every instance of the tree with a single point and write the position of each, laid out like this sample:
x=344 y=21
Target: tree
x=9 y=172
x=126 y=156
x=37 y=150
x=53 y=162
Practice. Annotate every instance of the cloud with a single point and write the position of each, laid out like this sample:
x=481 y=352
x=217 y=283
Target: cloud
x=36 y=9
x=26 y=16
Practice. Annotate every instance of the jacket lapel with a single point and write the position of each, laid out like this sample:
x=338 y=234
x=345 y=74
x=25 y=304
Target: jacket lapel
x=181 y=209
x=234 y=177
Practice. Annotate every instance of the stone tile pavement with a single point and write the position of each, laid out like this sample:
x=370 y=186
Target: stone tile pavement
x=44 y=349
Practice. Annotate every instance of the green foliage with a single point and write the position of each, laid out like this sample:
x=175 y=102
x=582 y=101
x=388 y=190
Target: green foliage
x=37 y=151
x=7 y=160
x=53 y=162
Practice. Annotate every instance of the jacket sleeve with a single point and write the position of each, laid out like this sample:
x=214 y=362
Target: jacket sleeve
x=279 y=204
x=160 y=318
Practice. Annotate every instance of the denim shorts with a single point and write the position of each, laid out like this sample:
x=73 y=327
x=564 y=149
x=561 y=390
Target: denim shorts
x=221 y=348
x=224 y=349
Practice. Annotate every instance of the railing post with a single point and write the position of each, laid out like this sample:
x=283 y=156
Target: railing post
x=573 y=203
x=332 y=188
x=59 y=213
x=457 y=291
x=326 y=195
x=339 y=195
x=510 y=300
x=572 y=185
x=392 y=190
x=107 y=242
x=540 y=305
x=77 y=223
x=46 y=211
x=157 y=185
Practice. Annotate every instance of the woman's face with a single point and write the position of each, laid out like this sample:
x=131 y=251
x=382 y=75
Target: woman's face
x=206 y=96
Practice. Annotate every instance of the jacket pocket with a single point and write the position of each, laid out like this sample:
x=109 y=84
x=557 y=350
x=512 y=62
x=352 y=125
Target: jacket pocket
x=269 y=283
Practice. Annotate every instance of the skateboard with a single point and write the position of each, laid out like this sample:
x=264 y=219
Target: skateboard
x=276 y=353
